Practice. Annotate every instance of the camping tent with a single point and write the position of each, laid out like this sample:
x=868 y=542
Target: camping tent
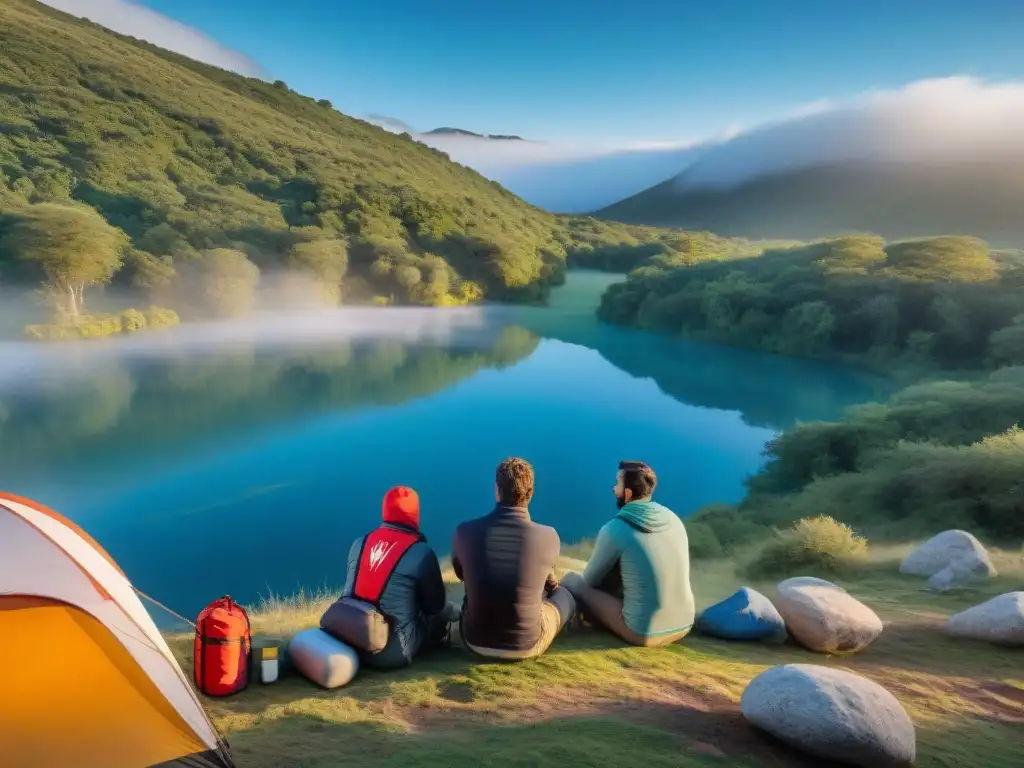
x=85 y=678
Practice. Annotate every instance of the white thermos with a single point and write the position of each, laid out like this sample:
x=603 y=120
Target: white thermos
x=266 y=658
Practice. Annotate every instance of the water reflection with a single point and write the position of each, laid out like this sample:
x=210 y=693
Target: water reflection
x=134 y=404
x=768 y=390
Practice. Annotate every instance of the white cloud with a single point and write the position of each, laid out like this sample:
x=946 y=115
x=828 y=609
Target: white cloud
x=567 y=177
x=945 y=119
x=130 y=18
x=929 y=121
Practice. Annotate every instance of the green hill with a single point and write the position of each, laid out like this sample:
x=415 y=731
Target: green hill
x=209 y=174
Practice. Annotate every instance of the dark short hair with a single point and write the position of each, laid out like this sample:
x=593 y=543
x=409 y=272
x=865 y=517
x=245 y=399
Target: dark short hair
x=638 y=478
x=515 y=482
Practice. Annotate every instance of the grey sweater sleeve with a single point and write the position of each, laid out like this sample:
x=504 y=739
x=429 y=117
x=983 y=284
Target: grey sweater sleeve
x=353 y=562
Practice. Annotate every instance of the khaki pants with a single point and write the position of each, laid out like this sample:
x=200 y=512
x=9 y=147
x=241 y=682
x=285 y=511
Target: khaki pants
x=555 y=613
x=606 y=610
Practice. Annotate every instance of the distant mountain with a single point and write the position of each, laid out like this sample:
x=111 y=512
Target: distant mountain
x=942 y=156
x=978 y=196
x=462 y=132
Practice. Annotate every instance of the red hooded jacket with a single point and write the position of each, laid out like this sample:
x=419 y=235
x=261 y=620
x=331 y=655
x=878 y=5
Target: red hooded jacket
x=384 y=547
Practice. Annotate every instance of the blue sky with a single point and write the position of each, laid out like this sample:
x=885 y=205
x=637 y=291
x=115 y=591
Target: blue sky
x=596 y=71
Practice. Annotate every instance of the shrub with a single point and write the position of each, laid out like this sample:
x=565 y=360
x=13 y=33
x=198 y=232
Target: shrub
x=82 y=327
x=817 y=544
x=49 y=332
x=161 y=317
x=916 y=488
x=132 y=320
x=731 y=527
x=704 y=544
x=98 y=326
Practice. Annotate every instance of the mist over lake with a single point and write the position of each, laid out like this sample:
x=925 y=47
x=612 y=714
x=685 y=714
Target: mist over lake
x=244 y=458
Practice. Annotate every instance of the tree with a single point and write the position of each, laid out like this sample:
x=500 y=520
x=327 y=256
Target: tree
x=72 y=246
x=147 y=272
x=948 y=258
x=326 y=261
x=1006 y=345
x=221 y=282
x=852 y=255
x=408 y=276
x=807 y=329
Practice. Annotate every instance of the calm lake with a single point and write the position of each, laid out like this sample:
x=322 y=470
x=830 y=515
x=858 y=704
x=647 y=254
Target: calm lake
x=244 y=457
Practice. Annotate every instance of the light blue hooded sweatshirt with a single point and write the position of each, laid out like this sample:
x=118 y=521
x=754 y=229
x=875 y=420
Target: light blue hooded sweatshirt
x=648 y=542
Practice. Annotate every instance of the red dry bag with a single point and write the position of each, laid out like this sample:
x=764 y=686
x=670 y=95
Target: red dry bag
x=222 y=647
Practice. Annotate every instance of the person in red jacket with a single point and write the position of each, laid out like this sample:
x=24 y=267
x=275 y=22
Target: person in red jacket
x=395 y=570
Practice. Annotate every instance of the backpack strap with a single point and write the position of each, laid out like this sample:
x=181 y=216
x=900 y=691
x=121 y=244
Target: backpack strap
x=382 y=551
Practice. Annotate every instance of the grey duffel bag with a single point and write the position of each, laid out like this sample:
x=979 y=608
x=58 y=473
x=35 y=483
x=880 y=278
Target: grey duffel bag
x=357 y=623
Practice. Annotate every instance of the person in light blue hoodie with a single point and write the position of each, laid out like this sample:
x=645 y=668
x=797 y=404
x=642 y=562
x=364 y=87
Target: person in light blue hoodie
x=637 y=582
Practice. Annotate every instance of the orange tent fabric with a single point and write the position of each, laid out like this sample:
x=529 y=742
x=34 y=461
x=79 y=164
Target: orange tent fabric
x=89 y=680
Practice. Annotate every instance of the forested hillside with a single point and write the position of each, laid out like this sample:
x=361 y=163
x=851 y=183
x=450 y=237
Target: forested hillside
x=936 y=456
x=937 y=303
x=127 y=164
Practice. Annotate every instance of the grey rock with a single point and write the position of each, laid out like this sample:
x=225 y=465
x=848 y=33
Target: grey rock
x=968 y=568
x=943 y=551
x=999 y=620
x=824 y=617
x=831 y=714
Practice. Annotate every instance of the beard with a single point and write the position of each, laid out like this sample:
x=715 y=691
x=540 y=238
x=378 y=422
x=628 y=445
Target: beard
x=620 y=501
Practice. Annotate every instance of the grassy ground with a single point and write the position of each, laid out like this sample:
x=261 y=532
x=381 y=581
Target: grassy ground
x=592 y=702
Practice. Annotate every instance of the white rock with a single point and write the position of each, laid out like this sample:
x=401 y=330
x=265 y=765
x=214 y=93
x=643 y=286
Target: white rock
x=965 y=569
x=943 y=550
x=810 y=581
x=831 y=714
x=999 y=620
x=824 y=617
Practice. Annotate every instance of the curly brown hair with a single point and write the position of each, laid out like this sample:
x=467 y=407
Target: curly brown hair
x=514 y=479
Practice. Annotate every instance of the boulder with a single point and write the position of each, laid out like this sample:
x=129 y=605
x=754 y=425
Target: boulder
x=999 y=620
x=811 y=581
x=831 y=714
x=824 y=617
x=964 y=569
x=323 y=659
x=746 y=615
x=954 y=549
